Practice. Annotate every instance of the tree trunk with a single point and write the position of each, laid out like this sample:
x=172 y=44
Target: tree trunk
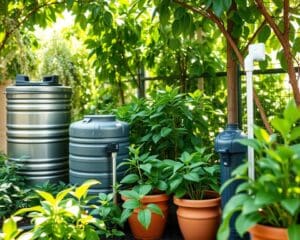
x=232 y=83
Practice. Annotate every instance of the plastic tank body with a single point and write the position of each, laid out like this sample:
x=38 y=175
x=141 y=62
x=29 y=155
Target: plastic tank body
x=38 y=117
x=90 y=140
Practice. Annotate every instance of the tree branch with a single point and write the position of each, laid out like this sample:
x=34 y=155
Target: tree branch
x=286 y=21
x=22 y=21
x=210 y=15
x=270 y=20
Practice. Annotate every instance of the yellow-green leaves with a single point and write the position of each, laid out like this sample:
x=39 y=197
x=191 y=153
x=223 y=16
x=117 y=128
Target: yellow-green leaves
x=82 y=190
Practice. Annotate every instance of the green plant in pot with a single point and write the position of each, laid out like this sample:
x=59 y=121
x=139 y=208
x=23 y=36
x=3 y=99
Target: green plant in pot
x=269 y=205
x=194 y=182
x=145 y=203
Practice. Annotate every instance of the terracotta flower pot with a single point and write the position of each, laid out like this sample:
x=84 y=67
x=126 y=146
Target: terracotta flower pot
x=199 y=219
x=158 y=223
x=262 y=232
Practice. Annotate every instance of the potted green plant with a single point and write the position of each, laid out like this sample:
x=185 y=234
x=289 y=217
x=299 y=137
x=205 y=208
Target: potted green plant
x=194 y=182
x=269 y=205
x=63 y=216
x=145 y=203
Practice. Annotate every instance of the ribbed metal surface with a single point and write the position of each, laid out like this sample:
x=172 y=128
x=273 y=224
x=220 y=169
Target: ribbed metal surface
x=89 y=141
x=38 y=119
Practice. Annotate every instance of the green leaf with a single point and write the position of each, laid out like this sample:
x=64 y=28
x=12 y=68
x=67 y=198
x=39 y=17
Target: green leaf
x=155 y=209
x=82 y=190
x=176 y=28
x=108 y=18
x=264 y=34
x=9 y=226
x=262 y=135
x=296 y=45
x=281 y=125
x=164 y=14
x=126 y=213
x=162 y=185
x=192 y=176
x=218 y=7
x=156 y=138
x=175 y=183
x=244 y=222
x=291 y=112
x=291 y=205
x=224 y=229
x=31 y=209
x=295 y=134
x=235 y=203
x=165 y=131
x=47 y=196
x=130 y=194
x=144 y=217
x=263 y=198
x=251 y=143
x=294 y=232
x=144 y=189
x=131 y=204
x=130 y=178
x=60 y=196
x=249 y=206
x=146 y=167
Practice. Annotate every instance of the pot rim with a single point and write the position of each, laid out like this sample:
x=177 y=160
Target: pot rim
x=184 y=202
x=153 y=198
x=260 y=229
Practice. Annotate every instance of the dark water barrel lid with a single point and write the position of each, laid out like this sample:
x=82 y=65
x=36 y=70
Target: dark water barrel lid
x=23 y=80
x=99 y=126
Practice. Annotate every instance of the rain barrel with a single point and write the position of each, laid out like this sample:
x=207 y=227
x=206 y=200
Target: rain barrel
x=89 y=155
x=38 y=118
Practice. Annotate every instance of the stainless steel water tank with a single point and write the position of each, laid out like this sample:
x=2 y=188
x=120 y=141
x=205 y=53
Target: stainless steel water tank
x=38 y=117
x=89 y=157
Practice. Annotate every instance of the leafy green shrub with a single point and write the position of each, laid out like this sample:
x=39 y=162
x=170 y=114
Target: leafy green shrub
x=273 y=197
x=170 y=123
x=144 y=170
x=110 y=214
x=13 y=191
x=62 y=217
x=193 y=174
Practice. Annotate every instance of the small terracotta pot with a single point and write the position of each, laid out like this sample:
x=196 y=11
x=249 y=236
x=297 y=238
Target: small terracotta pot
x=262 y=232
x=199 y=219
x=158 y=223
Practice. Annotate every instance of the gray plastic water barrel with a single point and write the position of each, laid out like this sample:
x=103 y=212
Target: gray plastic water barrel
x=89 y=157
x=38 y=117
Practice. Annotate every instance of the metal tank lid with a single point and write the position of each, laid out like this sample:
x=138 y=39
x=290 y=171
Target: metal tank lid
x=48 y=84
x=99 y=126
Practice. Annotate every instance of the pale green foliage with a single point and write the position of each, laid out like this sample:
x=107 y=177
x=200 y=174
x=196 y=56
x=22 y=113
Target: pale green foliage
x=169 y=123
x=62 y=216
x=272 y=198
